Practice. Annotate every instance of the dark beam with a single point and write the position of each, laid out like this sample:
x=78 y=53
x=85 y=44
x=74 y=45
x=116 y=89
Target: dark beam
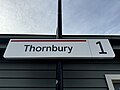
x=59 y=64
x=59 y=28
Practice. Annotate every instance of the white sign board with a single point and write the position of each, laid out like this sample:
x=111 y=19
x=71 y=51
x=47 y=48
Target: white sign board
x=42 y=48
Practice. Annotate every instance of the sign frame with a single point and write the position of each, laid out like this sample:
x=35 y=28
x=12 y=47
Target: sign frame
x=87 y=46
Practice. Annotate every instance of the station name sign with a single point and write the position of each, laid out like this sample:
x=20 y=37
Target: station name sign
x=59 y=48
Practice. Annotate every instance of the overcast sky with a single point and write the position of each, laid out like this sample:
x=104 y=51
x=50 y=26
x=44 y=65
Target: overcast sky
x=28 y=16
x=91 y=16
x=79 y=16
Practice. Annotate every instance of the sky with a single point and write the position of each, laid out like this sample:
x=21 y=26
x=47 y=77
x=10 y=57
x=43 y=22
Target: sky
x=91 y=16
x=28 y=16
x=101 y=17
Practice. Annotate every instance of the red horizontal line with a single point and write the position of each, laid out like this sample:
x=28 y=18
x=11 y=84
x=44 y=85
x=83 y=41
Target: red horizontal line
x=48 y=40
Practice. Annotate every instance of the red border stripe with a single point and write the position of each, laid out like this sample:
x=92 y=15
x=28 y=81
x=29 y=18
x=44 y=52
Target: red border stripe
x=48 y=40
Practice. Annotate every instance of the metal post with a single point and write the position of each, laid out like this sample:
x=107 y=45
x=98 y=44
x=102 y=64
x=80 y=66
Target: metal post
x=59 y=76
x=59 y=29
x=59 y=65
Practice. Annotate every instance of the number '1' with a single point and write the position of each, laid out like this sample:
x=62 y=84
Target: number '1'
x=101 y=47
